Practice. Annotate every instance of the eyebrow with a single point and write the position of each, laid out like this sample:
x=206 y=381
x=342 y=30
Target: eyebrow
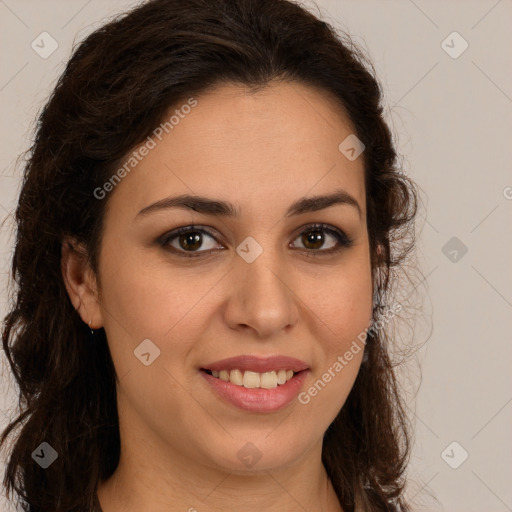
x=225 y=209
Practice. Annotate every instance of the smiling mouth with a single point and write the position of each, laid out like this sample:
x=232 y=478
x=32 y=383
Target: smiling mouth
x=253 y=380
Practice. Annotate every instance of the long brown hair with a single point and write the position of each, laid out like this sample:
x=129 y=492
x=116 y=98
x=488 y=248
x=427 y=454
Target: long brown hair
x=116 y=88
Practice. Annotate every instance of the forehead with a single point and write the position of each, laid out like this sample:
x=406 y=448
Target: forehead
x=272 y=145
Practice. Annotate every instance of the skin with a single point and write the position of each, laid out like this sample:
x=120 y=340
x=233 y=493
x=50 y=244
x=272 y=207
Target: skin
x=179 y=441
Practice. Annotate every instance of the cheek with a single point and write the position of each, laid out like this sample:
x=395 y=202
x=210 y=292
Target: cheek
x=338 y=360
x=151 y=299
x=345 y=316
x=342 y=311
x=342 y=301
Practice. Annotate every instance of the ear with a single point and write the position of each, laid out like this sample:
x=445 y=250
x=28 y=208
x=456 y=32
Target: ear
x=375 y=271
x=80 y=282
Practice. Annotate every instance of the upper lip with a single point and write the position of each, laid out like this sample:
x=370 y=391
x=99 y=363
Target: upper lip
x=258 y=364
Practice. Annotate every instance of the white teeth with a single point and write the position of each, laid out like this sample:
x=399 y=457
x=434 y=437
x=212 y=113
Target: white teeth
x=281 y=377
x=236 y=377
x=269 y=380
x=251 y=380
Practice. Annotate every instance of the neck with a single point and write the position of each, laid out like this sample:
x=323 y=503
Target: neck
x=142 y=483
x=162 y=476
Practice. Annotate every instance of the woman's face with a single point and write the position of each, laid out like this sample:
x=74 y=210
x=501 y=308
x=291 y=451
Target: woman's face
x=258 y=284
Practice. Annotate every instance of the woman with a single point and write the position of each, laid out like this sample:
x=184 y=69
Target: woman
x=206 y=230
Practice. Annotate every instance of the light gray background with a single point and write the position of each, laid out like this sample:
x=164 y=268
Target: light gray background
x=452 y=120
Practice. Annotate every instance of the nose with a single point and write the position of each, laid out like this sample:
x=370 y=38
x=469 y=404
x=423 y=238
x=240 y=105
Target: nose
x=262 y=298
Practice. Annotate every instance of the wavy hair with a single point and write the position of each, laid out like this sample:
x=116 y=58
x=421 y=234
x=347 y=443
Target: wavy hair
x=116 y=88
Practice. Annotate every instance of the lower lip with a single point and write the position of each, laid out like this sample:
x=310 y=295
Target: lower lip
x=257 y=399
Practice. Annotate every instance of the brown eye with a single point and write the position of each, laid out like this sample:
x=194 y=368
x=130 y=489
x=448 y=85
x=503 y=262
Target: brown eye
x=188 y=240
x=315 y=237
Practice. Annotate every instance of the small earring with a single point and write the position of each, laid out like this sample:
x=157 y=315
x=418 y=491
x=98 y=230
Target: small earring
x=92 y=330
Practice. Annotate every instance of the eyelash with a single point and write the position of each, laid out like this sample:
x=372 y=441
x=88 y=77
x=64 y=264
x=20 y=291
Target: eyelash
x=343 y=240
